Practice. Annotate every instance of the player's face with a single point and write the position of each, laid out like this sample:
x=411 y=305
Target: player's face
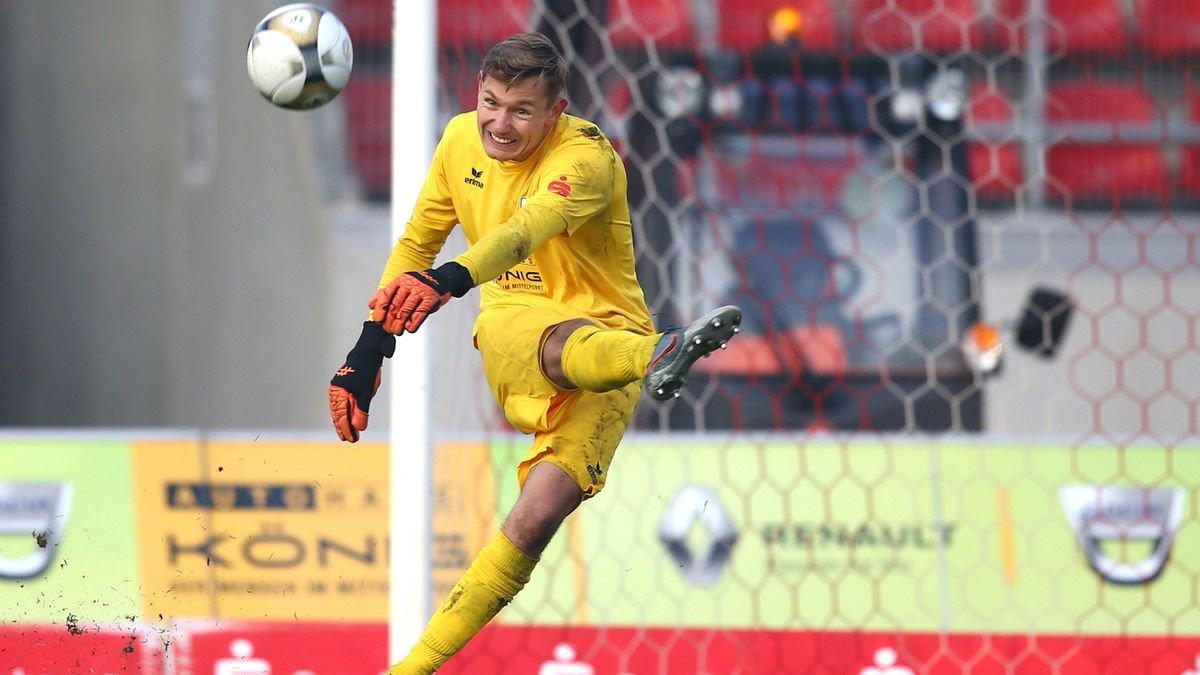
x=515 y=118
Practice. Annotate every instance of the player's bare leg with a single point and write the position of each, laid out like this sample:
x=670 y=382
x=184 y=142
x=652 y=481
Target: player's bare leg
x=549 y=496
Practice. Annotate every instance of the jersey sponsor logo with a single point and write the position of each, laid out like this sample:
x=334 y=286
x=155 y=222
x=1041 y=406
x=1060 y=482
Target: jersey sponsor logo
x=560 y=187
x=521 y=275
x=473 y=179
x=524 y=277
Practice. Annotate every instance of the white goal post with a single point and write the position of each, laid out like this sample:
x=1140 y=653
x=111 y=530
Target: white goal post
x=413 y=134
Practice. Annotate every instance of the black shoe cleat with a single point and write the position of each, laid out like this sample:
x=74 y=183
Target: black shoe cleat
x=679 y=348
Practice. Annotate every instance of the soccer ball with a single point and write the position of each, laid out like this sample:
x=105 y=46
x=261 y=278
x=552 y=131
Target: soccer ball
x=299 y=56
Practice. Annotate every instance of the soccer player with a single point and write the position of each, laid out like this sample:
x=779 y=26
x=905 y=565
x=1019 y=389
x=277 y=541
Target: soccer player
x=565 y=336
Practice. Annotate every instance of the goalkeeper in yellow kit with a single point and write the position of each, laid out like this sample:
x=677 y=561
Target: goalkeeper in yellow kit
x=563 y=330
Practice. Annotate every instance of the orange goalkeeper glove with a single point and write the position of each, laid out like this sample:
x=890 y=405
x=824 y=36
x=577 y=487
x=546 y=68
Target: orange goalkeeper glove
x=404 y=304
x=355 y=383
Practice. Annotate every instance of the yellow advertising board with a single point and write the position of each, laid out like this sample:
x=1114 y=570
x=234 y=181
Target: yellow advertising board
x=464 y=508
x=291 y=530
x=263 y=530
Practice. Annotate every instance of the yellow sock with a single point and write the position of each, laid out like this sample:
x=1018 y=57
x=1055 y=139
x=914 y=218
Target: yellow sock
x=603 y=359
x=498 y=573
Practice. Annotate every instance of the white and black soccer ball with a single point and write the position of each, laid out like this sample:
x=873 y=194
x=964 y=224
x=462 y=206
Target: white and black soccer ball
x=300 y=56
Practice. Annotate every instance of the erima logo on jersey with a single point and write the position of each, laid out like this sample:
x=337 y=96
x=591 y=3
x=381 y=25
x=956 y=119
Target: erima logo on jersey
x=473 y=179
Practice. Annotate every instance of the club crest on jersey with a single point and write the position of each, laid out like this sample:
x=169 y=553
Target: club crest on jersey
x=473 y=179
x=560 y=187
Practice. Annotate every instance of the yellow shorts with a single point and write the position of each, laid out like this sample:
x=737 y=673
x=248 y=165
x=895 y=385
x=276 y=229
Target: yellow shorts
x=578 y=431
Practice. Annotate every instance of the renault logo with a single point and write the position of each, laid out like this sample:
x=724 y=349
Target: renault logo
x=696 y=505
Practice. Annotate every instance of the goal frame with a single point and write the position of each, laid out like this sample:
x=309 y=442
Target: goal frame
x=414 y=44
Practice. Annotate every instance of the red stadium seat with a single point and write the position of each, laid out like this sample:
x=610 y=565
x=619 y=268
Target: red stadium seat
x=368 y=121
x=1107 y=171
x=819 y=349
x=996 y=168
x=1189 y=170
x=632 y=24
x=369 y=21
x=1109 y=168
x=1099 y=101
x=816 y=350
x=743 y=23
x=932 y=25
x=1075 y=26
x=480 y=23
x=1169 y=27
x=750 y=355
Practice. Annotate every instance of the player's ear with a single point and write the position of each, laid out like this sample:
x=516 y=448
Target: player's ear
x=557 y=109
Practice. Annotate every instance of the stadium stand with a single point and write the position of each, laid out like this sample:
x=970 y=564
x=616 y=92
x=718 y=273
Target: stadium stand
x=902 y=25
x=1073 y=27
x=743 y=24
x=994 y=154
x=1106 y=167
x=1168 y=28
x=667 y=24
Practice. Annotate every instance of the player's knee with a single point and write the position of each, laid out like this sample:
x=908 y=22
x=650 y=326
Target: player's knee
x=552 y=352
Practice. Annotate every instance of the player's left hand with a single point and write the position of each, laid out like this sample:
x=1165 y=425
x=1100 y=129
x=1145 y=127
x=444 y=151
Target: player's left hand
x=356 y=382
x=404 y=304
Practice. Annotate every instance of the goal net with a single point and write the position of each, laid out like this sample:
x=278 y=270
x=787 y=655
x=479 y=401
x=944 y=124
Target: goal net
x=959 y=431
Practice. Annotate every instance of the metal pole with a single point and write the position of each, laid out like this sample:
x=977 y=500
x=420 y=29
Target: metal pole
x=1033 y=114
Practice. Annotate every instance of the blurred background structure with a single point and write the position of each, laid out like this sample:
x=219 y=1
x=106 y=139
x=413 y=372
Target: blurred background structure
x=179 y=226
x=865 y=479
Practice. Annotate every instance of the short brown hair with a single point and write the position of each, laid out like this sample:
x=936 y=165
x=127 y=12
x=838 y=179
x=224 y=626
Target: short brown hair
x=524 y=56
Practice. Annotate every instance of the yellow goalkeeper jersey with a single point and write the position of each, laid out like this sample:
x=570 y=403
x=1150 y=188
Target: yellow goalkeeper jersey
x=575 y=173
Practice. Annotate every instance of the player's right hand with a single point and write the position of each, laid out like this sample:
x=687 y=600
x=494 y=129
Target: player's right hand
x=355 y=383
x=404 y=304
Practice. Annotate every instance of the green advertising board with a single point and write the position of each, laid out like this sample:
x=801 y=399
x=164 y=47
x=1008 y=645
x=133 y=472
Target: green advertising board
x=873 y=534
x=68 y=551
